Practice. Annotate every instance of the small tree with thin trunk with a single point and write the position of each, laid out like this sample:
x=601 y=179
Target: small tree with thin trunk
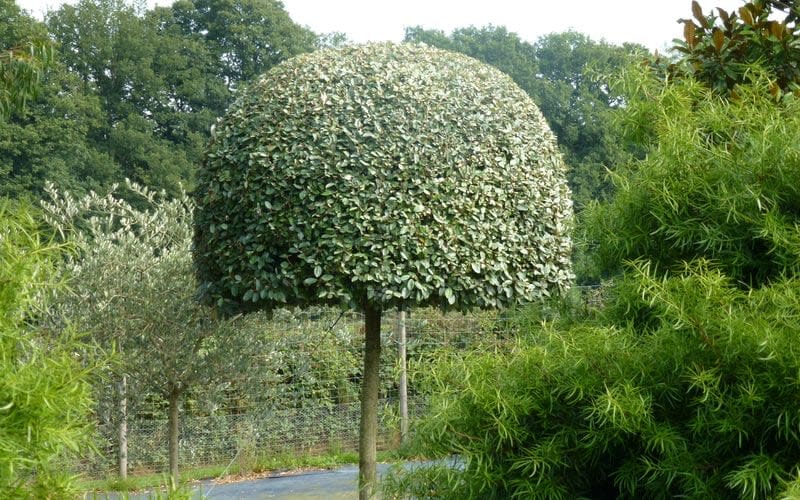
x=380 y=176
x=131 y=284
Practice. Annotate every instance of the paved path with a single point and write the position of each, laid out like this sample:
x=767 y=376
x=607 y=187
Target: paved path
x=338 y=484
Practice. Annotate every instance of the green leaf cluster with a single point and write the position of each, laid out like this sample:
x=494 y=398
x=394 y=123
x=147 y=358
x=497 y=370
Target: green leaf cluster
x=24 y=55
x=697 y=399
x=720 y=182
x=568 y=75
x=45 y=395
x=382 y=174
x=720 y=50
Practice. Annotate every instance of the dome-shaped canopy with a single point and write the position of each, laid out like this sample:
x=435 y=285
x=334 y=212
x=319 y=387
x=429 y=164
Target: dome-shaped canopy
x=383 y=173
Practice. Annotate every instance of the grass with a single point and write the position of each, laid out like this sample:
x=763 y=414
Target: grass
x=281 y=461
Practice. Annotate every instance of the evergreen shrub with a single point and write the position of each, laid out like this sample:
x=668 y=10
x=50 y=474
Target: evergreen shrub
x=696 y=398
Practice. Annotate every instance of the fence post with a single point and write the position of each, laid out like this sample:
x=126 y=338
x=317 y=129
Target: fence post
x=403 y=384
x=123 y=428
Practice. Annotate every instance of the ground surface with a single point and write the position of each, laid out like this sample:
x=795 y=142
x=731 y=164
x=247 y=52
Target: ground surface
x=341 y=483
x=336 y=484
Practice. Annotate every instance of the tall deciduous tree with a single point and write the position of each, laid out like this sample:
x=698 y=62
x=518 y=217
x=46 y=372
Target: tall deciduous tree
x=246 y=37
x=50 y=138
x=381 y=176
x=164 y=75
x=113 y=49
x=575 y=94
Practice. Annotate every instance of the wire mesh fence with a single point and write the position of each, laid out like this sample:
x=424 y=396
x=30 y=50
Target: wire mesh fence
x=300 y=393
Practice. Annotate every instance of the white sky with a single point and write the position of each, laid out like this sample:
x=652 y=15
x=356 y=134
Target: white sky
x=649 y=22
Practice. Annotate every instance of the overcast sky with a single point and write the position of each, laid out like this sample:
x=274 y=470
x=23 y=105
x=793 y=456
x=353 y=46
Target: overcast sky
x=649 y=22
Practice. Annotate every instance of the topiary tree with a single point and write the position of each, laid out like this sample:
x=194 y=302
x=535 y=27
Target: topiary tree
x=382 y=176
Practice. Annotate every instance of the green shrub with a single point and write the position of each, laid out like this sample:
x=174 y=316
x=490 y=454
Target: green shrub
x=686 y=382
x=720 y=182
x=44 y=377
x=702 y=403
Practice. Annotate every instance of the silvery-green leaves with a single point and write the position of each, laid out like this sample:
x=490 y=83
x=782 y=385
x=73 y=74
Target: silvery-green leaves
x=383 y=173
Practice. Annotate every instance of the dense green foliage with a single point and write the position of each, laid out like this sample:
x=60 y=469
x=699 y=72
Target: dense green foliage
x=720 y=182
x=684 y=383
x=20 y=70
x=696 y=398
x=24 y=54
x=567 y=75
x=721 y=50
x=45 y=399
x=133 y=93
x=383 y=174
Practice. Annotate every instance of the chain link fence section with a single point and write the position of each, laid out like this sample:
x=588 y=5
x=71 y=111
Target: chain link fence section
x=301 y=393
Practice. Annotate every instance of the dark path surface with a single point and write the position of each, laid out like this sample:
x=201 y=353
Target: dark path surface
x=341 y=483
x=336 y=484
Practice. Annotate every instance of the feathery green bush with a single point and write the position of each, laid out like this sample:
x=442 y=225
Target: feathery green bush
x=685 y=384
x=45 y=395
x=698 y=399
x=721 y=181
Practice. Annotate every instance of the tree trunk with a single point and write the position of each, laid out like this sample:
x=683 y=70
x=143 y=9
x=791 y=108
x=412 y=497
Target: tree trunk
x=174 y=400
x=403 y=383
x=123 y=428
x=368 y=430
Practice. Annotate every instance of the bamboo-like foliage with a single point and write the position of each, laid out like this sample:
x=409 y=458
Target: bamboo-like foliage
x=45 y=400
x=696 y=399
x=720 y=181
x=686 y=383
x=20 y=71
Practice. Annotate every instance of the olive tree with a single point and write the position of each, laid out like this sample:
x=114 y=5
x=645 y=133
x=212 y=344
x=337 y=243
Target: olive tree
x=382 y=176
x=132 y=286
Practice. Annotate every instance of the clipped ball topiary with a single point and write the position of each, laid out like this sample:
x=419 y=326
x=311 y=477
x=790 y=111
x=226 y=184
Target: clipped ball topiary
x=378 y=176
x=383 y=173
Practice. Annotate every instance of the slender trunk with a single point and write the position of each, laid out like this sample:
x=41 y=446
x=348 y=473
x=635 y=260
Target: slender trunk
x=174 y=400
x=368 y=430
x=123 y=428
x=403 y=384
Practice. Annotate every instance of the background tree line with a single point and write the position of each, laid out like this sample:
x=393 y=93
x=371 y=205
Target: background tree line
x=133 y=93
